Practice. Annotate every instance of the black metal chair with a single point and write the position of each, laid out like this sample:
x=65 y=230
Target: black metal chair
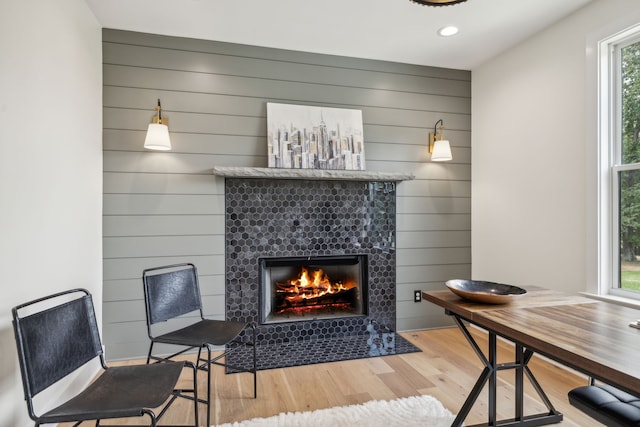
x=57 y=335
x=171 y=293
x=607 y=404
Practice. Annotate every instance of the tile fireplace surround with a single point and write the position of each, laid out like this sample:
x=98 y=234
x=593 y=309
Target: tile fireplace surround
x=284 y=212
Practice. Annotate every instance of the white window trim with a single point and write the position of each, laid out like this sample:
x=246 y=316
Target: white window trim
x=601 y=259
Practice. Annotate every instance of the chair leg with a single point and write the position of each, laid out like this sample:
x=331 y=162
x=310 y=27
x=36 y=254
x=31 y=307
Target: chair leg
x=208 y=385
x=255 y=370
x=152 y=415
x=196 y=418
x=205 y=366
x=178 y=392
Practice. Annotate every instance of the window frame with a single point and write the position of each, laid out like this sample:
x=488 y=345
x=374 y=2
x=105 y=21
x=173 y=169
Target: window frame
x=609 y=100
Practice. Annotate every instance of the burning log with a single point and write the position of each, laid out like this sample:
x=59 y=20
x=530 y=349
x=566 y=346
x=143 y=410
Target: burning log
x=347 y=296
x=314 y=288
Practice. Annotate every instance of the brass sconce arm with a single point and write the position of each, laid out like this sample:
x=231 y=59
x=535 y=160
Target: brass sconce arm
x=435 y=136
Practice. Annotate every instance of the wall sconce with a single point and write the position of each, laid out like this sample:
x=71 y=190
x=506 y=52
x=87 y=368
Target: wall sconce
x=439 y=148
x=158 y=132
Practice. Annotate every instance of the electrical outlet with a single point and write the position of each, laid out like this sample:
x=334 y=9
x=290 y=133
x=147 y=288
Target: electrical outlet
x=417 y=296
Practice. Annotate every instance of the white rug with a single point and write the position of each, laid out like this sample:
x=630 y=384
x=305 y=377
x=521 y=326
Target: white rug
x=423 y=411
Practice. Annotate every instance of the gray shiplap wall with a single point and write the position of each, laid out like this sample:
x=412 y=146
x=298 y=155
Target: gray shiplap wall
x=167 y=207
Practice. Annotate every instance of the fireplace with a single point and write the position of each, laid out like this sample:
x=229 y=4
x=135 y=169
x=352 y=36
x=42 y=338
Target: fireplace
x=271 y=222
x=294 y=289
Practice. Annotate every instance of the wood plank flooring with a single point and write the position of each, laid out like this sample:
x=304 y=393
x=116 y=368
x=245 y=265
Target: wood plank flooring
x=446 y=368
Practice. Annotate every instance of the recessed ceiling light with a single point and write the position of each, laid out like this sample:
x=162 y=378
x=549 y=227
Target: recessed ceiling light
x=448 y=31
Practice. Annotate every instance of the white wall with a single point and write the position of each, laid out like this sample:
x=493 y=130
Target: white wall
x=532 y=156
x=50 y=165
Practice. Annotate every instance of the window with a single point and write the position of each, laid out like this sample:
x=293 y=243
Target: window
x=627 y=165
x=620 y=150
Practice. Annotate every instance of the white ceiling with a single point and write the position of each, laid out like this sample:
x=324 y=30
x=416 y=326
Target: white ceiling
x=391 y=30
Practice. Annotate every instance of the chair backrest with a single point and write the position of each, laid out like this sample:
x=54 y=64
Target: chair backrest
x=55 y=340
x=171 y=291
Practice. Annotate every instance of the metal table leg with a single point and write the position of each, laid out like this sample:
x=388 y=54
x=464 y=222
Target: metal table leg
x=489 y=373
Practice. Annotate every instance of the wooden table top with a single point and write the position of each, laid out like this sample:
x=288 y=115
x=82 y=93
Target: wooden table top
x=589 y=335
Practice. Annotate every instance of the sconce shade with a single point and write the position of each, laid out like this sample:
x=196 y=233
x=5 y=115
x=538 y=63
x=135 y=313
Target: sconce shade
x=441 y=151
x=158 y=132
x=157 y=137
x=439 y=148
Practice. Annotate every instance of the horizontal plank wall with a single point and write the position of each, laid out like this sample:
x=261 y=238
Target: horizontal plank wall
x=167 y=207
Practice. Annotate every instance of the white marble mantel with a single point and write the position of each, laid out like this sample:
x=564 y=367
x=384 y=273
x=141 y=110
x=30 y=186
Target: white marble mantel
x=310 y=174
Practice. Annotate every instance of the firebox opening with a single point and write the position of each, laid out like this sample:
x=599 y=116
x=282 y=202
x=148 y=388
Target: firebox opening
x=303 y=288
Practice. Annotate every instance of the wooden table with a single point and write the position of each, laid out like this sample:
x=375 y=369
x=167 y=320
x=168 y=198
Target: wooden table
x=590 y=336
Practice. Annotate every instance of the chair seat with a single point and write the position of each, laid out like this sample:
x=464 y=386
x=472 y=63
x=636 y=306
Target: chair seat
x=121 y=391
x=206 y=331
x=607 y=404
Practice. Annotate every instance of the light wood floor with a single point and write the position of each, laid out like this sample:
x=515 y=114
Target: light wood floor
x=446 y=368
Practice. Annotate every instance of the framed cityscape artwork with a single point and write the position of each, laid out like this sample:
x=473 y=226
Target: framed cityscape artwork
x=306 y=137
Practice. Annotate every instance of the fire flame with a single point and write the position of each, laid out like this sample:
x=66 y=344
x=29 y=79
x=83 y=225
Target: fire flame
x=312 y=284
